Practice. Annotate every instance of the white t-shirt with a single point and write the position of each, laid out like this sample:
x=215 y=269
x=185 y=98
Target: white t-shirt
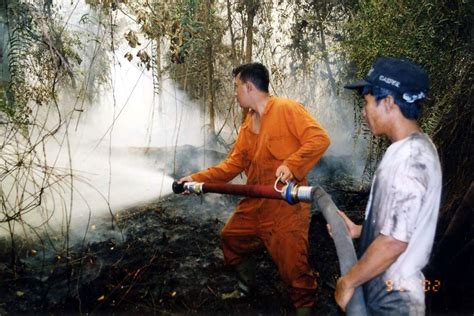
x=404 y=203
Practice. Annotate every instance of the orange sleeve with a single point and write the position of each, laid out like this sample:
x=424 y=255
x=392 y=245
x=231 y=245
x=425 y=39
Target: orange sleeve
x=313 y=139
x=227 y=169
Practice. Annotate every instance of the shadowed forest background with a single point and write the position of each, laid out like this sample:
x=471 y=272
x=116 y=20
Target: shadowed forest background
x=103 y=103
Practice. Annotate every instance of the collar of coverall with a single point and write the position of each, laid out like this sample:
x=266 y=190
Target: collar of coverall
x=271 y=101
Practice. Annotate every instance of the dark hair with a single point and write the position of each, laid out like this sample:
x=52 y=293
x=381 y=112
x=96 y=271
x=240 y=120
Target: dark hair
x=411 y=111
x=256 y=73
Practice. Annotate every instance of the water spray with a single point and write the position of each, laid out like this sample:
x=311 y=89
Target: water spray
x=293 y=193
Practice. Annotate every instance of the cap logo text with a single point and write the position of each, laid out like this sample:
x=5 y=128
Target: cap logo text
x=389 y=81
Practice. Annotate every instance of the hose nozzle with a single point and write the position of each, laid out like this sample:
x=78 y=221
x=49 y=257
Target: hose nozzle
x=178 y=187
x=192 y=187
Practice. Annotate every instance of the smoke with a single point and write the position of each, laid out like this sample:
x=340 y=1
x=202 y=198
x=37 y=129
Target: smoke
x=334 y=110
x=90 y=169
x=317 y=83
x=177 y=121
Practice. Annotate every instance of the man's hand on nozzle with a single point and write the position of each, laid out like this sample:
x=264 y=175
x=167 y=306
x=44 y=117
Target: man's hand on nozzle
x=185 y=179
x=354 y=229
x=284 y=173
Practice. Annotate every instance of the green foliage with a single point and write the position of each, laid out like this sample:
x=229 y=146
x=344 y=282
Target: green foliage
x=106 y=5
x=187 y=32
x=311 y=19
x=191 y=26
x=435 y=34
x=42 y=54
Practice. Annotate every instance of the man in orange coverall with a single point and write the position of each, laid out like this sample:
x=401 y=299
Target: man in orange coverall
x=278 y=138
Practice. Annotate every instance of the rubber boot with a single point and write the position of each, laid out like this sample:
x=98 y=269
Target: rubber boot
x=246 y=275
x=303 y=311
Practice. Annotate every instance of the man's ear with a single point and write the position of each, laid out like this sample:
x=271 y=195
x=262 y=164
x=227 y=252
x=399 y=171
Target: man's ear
x=250 y=86
x=389 y=103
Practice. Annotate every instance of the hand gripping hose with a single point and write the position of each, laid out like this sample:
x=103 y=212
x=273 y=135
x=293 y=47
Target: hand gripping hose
x=344 y=246
x=293 y=193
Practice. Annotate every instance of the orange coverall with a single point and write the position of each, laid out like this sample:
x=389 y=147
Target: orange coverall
x=288 y=135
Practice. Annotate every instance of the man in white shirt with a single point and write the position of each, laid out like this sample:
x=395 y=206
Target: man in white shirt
x=397 y=235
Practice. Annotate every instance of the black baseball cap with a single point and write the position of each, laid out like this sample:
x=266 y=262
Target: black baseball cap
x=401 y=76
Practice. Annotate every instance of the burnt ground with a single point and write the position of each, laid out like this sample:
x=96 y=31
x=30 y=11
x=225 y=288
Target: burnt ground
x=164 y=258
x=166 y=264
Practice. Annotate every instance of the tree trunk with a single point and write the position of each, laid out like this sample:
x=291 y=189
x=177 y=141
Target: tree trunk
x=251 y=10
x=233 y=53
x=210 y=68
x=251 y=7
x=325 y=54
x=159 y=76
x=458 y=231
x=4 y=47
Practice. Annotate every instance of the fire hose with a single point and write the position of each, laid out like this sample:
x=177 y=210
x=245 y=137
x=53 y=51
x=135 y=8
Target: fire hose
x=293 y=193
